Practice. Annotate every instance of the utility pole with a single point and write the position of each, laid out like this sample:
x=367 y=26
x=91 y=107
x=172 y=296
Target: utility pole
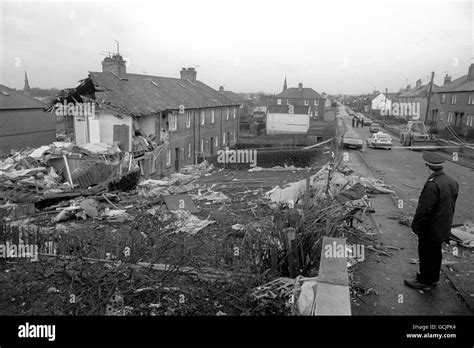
x=385 y=113
x=429 y=97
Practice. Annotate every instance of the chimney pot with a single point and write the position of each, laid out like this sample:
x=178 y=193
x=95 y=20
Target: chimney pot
x=470 y=75
x=418 y=83
x=115 y=64
x=300 y=85
x=447 y=79
x=188 y=74
x=221 y=89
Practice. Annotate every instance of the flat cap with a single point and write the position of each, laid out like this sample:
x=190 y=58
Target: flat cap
x=433 y=159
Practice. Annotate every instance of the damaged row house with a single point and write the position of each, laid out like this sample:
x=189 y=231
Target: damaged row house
x=165 y=122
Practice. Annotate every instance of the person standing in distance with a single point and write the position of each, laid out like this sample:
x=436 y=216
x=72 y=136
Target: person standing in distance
x=432 y=222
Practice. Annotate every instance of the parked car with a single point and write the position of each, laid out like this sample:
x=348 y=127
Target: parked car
x=367 y=121
x=374 y=128
x=380 y=140
x=352 y=140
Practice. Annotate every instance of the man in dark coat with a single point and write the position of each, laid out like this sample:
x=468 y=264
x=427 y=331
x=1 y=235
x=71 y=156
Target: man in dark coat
x=432 y=221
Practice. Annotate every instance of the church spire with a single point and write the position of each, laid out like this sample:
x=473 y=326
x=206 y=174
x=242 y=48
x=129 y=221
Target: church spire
x=26 y=88
x=284 y=85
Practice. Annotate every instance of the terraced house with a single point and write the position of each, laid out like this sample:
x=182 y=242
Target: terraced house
x=165 y=122
x=453 y=103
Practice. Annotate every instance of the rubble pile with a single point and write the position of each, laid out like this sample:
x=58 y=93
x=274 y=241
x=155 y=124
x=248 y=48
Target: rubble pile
x=33 y=175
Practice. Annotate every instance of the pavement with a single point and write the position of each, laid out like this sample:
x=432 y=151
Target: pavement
x=405 y=171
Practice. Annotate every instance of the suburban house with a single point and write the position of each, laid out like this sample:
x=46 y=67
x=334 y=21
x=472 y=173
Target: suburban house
x=418 y=96
x=453 y=103
x=380 y=102
x=23 y=121
x=290 y=111
x=165 y=122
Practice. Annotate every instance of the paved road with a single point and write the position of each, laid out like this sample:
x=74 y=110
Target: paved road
x=406 y=172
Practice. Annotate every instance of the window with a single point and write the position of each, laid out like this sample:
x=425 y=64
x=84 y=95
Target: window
x=188 y=119
x=443 y=98
x=288 y=102
x=213 y=116
x=227 y=113
x=168 y=157
x=470 y=100
x=316 y=102
x=202 y=145
x=234 y=136
x=223 y=138
x=306 y=102
x=450 y=117
x=235 y=111
x=279 y=101
x=189 y=149
x=470 y=120
x=217 y=141
x=203 y=117
x=453 y=99
x=173 y=122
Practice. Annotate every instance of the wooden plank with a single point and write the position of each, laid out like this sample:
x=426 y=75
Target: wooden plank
x=333 y=267
x=332 y=299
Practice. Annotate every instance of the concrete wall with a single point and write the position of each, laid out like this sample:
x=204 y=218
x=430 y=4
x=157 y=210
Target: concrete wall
x=287 y=123
x=29 y=127
x=148 y=124
x=107 y=122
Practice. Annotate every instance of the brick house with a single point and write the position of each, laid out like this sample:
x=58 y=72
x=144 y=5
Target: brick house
x=183 y=116
x=453 y=103
x=23 y=121
x=301 y=97
x=418 y=94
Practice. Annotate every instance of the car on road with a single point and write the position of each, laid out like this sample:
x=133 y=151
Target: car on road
x=374 y=127
x=367 y=121
x=352 y=140
x=380 y=140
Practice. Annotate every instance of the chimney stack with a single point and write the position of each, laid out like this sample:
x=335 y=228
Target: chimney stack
x=221 y=89
x=418 y=83
x=188 y=74
x=300 y=85
x=115 y=64
x=447 y=79
x=408 y=87
x=470 y=74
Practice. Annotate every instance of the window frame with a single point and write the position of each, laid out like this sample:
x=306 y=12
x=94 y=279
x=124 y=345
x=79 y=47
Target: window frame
x=168 y=157
x=227 y=116
x=453 y=99
x=213 y=116
x=443 y=98
x=173 y=122
x=470 y=99
x=188 y=119
x=278 y=101
x=202 y=118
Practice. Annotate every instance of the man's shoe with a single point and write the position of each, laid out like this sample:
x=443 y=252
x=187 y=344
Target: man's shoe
x=415 y=284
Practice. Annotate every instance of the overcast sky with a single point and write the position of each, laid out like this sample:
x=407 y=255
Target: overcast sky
x=245 y=45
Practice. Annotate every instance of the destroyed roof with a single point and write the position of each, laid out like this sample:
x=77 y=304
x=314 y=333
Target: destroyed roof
x=284 y=109
x=461 y=84
x=11 y=99
x=299 y=93
x=140 y=95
